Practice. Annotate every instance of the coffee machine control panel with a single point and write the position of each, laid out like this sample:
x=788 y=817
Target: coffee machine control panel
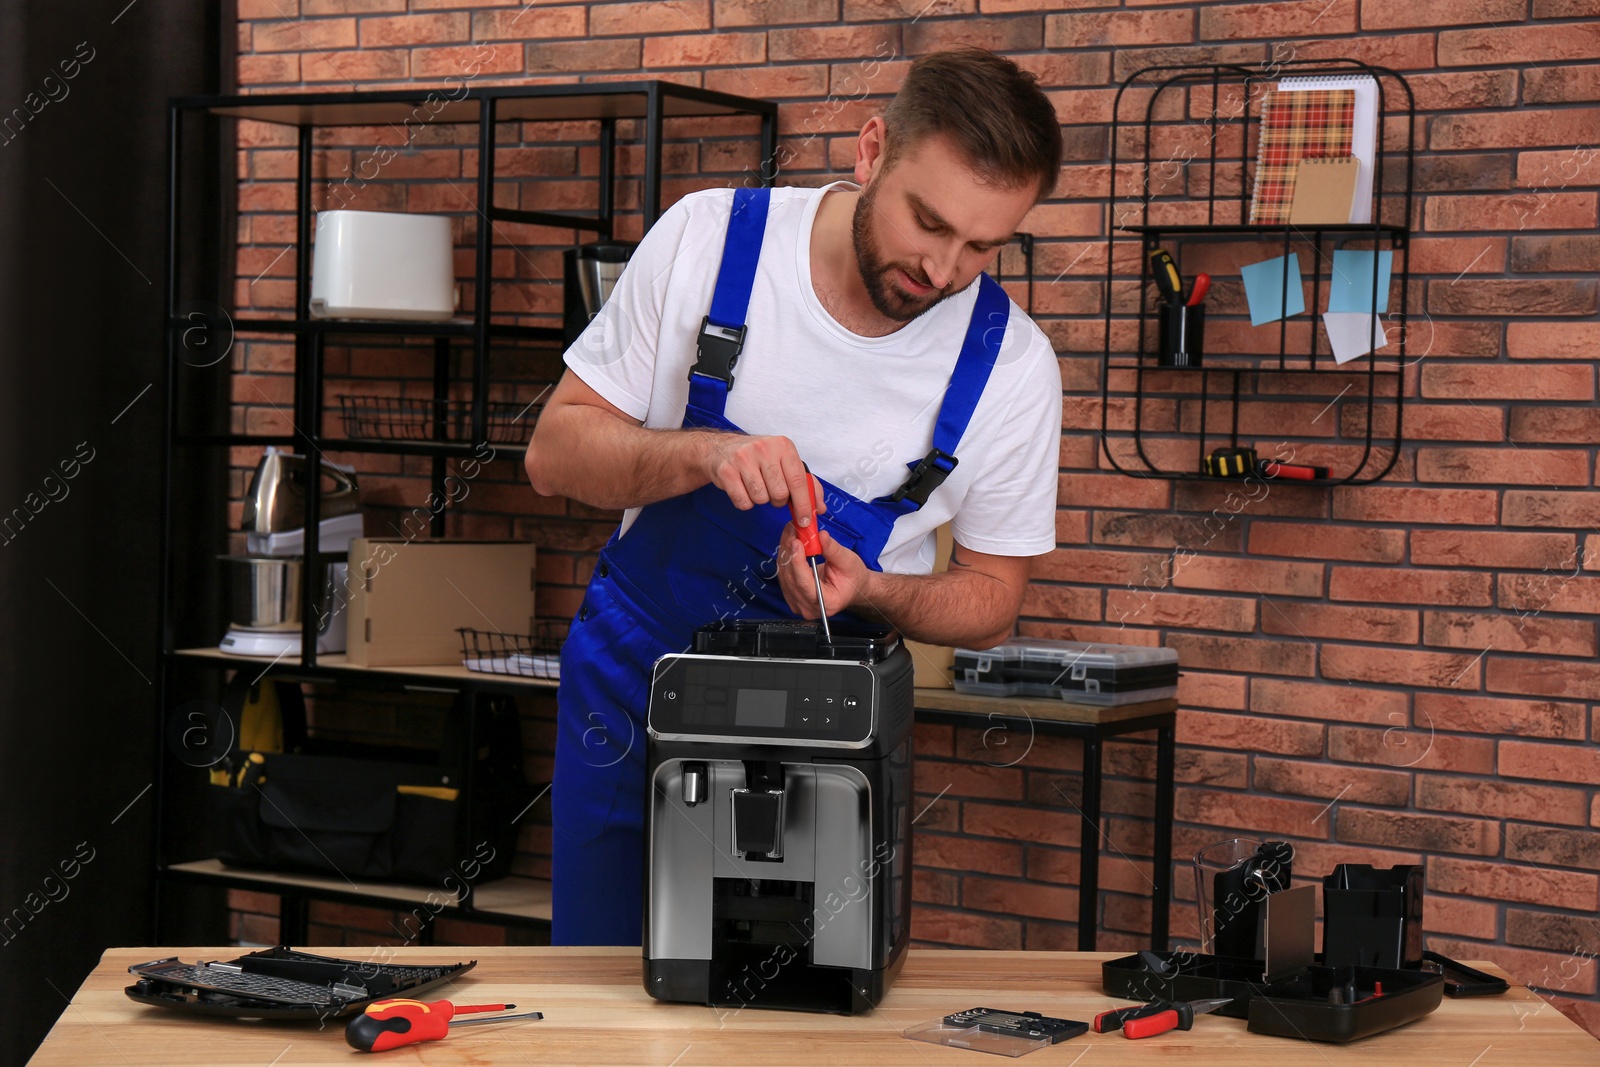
x=822 y=702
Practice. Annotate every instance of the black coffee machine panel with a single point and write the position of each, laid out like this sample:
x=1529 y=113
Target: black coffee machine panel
x=778 y=825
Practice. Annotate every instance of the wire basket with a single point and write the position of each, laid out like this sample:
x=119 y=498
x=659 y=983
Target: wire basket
x=403 y=418
x=535 y=655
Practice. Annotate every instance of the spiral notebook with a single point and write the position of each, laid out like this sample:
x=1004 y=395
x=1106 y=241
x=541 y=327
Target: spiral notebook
x=1315 y=117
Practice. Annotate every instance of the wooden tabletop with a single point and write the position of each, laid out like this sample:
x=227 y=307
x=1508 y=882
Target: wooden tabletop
x=596 y=1013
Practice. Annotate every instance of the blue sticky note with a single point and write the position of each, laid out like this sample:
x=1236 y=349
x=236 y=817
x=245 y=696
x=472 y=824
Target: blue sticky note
x=1351 y=286
x=1265 y=290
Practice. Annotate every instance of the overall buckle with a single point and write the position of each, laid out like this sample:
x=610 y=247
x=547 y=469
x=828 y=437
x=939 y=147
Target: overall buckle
x=929 y=474
x=718 y=350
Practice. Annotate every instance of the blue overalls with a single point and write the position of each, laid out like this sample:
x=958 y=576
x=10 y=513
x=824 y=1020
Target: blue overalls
x=686 y=562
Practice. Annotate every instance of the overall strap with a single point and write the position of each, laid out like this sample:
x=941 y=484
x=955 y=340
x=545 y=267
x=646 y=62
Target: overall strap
x=986 y=331
x=722 y=331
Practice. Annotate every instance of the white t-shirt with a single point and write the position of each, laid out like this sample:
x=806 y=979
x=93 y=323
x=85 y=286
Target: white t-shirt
x=858 y=409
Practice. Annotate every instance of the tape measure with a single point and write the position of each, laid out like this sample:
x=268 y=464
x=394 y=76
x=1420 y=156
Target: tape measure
x=1230 y=462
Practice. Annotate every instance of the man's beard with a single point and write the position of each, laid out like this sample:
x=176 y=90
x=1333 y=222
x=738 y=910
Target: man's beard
x=886 y=295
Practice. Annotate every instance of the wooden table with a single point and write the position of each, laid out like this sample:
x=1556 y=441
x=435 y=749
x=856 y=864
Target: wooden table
x=1019 y=718
x=597 y=1014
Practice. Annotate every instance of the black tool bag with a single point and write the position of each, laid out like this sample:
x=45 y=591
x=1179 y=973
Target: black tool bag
x=377 y=813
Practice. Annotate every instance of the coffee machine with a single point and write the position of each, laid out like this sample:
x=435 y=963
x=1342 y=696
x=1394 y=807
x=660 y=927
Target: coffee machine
x=778 y=823
x=588 y=274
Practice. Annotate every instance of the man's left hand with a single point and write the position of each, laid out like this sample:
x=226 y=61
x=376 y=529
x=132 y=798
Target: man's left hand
x=845 y=577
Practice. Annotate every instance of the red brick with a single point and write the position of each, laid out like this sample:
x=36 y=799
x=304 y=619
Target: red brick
x=543 y=23
x=1478 y=548
x=1560 y=85
x=934 y=887
x=1273 y=21
x=1428 y=833
x=704 y=49
x=1489 y=715
x=1411 y=747
x=1496 y=297
x=1271 y=815
x=968 y=780
x=1353 y=784
x=1578 y=935
x=770 y=83
x=1225 y=770
x=346 y=7
x=1551 y=762
x=1464 y=918
x=1518 y=44
x=1401 y=667
x=1250 y=576
x=583 y=56
x=305 y=36
x=1320 y=700
x=1465 y=90
x=1062 y=602
x=1097 y=29
x=1548 y=255
x=1327 y=542
x=1387 y=586
x=1018 y=898
x=1178 y=610
x=1565 y=9
x=1506 y=633
x=1099 y=567
x=1540 y=677
x=362 y=65
x=1552 y=340
x=1533 y=507
x=1146 y=529
x=762 y=13
x=1102 y=490
x=834 y=42
x=1200 y=690
x=1503 y=800
x=1440 y=422
x=269 y=70
x=1456 y=257
x=1021 y=824
x=1245 y=655
x=1503 y=881
x=965 y=854
x=1553 y=847
x=940 y=927
x=1400 y=51
x=1385 y=625
x=1521 y=211
x=1505 y=466
x=879 y=10
x=1013 y=33
x=1416 y=505
x=400 y=30
x=1559 y=590
x=1248 y=733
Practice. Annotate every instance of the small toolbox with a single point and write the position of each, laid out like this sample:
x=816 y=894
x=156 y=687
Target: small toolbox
x=1078 y=671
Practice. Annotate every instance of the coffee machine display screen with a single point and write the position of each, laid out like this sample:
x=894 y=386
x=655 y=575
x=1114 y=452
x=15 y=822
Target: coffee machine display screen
x=731 y=696
x=761 y=707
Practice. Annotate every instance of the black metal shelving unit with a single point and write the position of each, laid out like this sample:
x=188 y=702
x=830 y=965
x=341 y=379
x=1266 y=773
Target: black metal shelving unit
x=651 y=103
x=1160 y=111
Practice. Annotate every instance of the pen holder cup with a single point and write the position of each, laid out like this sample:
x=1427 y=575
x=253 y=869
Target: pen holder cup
x=1182 y=335
x=1372 y=917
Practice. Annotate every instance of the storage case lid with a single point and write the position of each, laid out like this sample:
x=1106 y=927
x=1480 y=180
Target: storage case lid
x=1091 y=654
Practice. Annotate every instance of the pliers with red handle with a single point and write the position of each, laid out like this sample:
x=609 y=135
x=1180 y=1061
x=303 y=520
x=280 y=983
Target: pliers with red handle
x=1156 y=1017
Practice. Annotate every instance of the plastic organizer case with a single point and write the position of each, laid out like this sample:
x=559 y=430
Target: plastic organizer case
x=1335 y=1004
x=1077 y=671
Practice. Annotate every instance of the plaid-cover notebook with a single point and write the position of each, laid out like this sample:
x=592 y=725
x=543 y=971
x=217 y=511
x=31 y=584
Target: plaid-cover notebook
x=1296 y=126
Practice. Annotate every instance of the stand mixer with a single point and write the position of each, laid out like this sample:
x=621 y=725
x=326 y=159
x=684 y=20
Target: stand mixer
x=266 y=582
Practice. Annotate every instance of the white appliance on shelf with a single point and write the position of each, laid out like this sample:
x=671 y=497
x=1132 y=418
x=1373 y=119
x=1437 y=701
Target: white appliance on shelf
x=382 y=265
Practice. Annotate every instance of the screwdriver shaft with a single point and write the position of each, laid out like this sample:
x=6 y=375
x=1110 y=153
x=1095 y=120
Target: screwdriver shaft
x=822 y=605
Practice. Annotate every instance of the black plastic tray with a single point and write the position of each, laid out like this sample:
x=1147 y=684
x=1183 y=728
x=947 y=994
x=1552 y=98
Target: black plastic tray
x=1297 y=1006
x=797 y=639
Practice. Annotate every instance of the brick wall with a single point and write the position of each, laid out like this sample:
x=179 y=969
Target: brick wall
x=1402 y=673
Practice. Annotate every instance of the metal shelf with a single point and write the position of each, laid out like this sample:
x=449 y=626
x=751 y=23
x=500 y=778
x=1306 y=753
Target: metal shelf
x=1226 y=162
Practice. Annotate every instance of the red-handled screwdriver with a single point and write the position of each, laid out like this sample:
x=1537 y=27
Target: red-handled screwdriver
x=387 y=1024
x=811 y=545
x=1177 y=1015
x=1198 y=291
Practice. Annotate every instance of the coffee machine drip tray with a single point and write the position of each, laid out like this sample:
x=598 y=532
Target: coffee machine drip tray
x=857 y=642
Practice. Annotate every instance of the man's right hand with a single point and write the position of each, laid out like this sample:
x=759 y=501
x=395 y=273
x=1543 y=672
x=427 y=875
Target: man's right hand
x=760 y=470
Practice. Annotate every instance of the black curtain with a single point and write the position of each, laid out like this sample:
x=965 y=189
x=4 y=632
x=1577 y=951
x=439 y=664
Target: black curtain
x=83 y=225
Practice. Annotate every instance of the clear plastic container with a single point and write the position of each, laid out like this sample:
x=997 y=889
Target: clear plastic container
x=1081 y=672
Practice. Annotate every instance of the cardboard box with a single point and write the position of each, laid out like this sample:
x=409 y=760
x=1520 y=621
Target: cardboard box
x=407 y=598
x=932 y=663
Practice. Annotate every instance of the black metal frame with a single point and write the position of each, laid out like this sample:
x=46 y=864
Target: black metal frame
x=1156 y=80
x=651 y=101
x=1094 y=735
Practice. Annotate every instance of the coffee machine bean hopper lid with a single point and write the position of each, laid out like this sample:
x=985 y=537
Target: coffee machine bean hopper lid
x=859 y=642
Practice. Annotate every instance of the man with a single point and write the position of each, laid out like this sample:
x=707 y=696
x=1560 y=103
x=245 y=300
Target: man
x=753 y=335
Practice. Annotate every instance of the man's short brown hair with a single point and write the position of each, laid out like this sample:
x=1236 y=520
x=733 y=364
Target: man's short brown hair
x=992 y=109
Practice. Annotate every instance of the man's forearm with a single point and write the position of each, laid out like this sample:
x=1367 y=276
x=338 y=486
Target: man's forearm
x=958 y=607
x=592 y=456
